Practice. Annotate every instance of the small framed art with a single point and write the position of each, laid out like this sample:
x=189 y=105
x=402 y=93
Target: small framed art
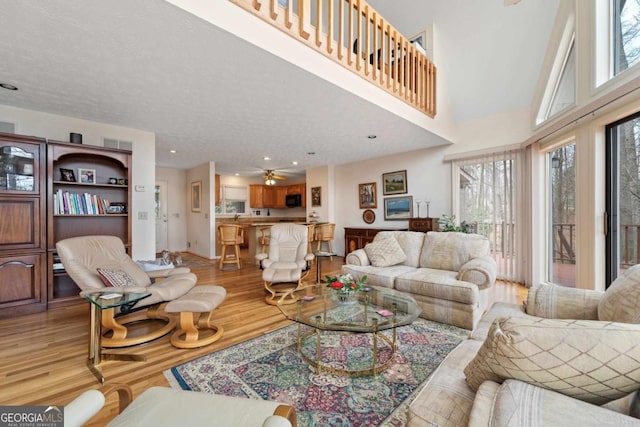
x=398 y=208
x=394 y=182
x=67 y=175
x=196 y=196
x=316 y=196
x=367 y=195
x=87 y=176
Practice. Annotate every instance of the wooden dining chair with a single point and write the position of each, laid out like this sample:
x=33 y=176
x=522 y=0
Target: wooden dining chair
x=324 y=234
x=264 y=238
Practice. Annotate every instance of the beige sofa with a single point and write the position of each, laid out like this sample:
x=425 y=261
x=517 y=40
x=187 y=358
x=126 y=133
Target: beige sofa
x=449 y=274
x=536 y=365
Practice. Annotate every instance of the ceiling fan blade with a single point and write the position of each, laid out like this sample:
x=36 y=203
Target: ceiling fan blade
x=283 y=178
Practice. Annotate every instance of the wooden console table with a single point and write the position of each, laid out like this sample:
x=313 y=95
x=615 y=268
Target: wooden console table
x=357 y=238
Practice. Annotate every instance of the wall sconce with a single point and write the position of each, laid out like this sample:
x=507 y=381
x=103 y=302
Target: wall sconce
x=555 y=162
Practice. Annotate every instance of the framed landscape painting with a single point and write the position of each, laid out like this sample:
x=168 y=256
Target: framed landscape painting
x=394 y=182
x=398 y=208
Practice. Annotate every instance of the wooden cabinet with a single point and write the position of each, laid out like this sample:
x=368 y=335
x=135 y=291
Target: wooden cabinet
x=95 y=201
x=217 y=189
x=423 y=224
x=270 y=196
x=357 y=238
x=22 y=225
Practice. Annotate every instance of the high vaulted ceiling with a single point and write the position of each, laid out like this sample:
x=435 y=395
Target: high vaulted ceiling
x=213 y=97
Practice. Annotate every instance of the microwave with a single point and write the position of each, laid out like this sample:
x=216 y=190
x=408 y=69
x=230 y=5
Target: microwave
x=293 y=200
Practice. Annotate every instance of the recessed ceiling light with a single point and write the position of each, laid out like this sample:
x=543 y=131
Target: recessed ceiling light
x=372 y=136
x=173 y=151
x=267 y=158
x=237 y=174
x=8 y=86
x=294 y=163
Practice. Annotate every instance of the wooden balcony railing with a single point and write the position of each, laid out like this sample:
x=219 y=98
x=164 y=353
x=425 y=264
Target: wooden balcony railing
x=353 y=34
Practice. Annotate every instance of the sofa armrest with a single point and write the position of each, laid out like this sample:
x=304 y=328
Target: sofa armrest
x=481 y=271
x=558 y=302
x=358 y=257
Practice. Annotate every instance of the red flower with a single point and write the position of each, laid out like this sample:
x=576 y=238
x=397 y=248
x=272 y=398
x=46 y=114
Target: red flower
x=336 y=285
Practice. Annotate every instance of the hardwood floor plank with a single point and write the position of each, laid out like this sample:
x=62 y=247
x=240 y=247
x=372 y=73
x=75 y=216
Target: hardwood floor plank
x=43 y=355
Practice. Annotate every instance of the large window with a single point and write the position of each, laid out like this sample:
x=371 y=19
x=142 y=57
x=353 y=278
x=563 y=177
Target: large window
x=560 y=93
x=562 y=216
x=626 y=34
x=623 y=195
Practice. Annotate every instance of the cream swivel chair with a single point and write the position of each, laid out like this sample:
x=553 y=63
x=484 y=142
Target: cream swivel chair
x=165 y=407
x=287 y=263
x=83 y=256
x=230 y=236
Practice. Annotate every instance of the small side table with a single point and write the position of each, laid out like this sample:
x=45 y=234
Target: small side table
x=107 y=299
x=321 y=256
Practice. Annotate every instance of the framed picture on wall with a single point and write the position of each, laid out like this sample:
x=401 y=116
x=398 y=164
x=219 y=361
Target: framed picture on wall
x=196 y=196
x=394 y=182
x=367 y=195
x=316 y=196
x=398 y=208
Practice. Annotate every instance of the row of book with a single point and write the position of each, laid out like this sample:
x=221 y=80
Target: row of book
x=66 y=203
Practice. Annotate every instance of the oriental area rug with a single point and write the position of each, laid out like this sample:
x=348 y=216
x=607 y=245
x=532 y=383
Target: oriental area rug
x=270 y=367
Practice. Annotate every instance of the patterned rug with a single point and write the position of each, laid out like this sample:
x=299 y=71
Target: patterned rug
x=269 y=367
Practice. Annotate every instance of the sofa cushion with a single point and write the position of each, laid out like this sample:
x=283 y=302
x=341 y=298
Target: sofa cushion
x=410 y=241
x=439 y=284
x=621 y=301
x=516 y=403
x=385 y=252
x=377 y=276
x=589 y=360
x=450 y=251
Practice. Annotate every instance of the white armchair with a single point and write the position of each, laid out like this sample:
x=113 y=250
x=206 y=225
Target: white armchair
x=286 y=261
x=162 y=406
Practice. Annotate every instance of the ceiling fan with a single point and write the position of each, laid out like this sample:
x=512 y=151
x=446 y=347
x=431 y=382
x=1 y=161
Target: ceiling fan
x=270 y=177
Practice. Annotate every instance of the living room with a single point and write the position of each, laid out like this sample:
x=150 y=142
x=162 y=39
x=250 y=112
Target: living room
x=431 y=159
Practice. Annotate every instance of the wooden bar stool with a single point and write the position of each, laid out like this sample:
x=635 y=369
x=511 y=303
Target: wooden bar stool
x=324 y=233
x=230 y=235
x=264 y=238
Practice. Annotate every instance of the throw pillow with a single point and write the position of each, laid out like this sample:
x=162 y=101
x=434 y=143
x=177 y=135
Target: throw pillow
x=621 y=301
x=385 y=252
x=115 y=278
x=588 y=360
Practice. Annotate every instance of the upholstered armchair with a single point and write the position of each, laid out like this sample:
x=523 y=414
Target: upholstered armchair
x=161 y=406
x=567 y=357
x=287 y=262
x=97 y=262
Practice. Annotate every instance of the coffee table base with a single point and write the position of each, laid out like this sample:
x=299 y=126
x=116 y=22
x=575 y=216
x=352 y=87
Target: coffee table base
x=321 y=367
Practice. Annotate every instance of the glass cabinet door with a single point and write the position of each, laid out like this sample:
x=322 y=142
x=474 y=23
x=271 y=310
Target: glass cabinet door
x=18 y=167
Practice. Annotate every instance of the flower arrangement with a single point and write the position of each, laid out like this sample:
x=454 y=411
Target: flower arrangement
x=346 y=284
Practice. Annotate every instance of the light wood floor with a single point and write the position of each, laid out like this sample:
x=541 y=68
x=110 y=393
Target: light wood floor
x=42 y=356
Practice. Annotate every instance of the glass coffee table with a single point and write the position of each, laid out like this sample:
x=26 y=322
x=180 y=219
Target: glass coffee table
x=372 y=311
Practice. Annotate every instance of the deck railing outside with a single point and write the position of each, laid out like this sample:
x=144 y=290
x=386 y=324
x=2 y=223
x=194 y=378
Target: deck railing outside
x=353 y=34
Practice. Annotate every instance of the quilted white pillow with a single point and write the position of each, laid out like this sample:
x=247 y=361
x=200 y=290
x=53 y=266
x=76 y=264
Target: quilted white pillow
x=385 y=252
x=589 y=360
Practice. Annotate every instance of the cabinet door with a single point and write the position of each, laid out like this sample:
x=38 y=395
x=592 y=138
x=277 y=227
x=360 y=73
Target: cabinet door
x=255 y=196
x=21 y=221
x=22 y=283
x=20 y=167
x=281 y=198
x=268 y=196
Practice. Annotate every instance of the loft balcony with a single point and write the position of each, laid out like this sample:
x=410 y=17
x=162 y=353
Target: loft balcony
x=353 y=34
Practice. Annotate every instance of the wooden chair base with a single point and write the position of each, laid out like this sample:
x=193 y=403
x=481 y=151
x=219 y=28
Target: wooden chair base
x=196 y=331
x=121 y=334
x=282 y=294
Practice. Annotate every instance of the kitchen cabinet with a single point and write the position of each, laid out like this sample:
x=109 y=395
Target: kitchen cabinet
x=274 y=196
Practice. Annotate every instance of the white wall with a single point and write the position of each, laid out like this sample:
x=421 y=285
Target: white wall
x=177 y=206
x=201 y=225
x=52 y=126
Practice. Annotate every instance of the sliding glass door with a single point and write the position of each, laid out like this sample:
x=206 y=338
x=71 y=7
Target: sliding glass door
x=562 y=216
x=622 y=216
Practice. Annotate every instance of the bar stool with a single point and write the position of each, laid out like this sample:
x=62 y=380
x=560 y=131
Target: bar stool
x=264 y=238
x=312 y=236
x=230 y=235
x=324 y=233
